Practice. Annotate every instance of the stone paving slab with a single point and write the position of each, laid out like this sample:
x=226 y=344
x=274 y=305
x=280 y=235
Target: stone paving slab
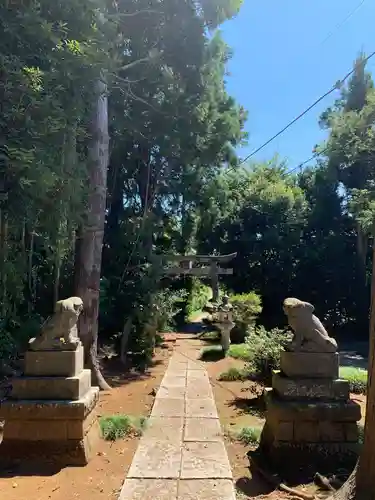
x=171 y=392
x=168 y=407
x=181 y=455
x=198 y=391
x=201 y=408
x=147 y=489
x=206 y=489
x=155 y=459
x=177 y=373
x=173 y=381
x=164 y=429
x=178 y=366
x=203 y=429
x=205 y=461
x=193 y=375
x=178 y=358
x=195 y=365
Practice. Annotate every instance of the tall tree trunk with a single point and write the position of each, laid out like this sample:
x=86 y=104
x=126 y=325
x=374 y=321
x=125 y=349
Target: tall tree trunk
x=3 y=256
x=30 y=272
x=361 y=483
x=125 y=338
x=90 y=243
x=362 y=242
x=57 y=276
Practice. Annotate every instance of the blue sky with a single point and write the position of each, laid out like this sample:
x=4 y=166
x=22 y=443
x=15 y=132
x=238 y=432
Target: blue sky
x=287 y=54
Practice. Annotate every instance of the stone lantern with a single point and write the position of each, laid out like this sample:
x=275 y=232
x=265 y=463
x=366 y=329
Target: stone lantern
x=225 y=322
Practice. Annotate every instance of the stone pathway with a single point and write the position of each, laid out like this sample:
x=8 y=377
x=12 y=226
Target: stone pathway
x=181 y=455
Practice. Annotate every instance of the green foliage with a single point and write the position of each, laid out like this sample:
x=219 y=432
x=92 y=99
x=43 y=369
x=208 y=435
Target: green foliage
x=174 y=129
x=357 y=378
x=282 y=226
x=155 y=314
x=213 y=353
x=249 y=435
x=8 y=347
x=264 y=351
x=198 y=297
x=159 y=341
x=233 y=374
x=15 y=334
x=115 y=427
x=246 y=308
x=240 y=351
x=165 y=306
x=171 y=124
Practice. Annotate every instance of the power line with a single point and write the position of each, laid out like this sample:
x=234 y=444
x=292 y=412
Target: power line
x=336 y=86
x=341 y=23
x=300 y=165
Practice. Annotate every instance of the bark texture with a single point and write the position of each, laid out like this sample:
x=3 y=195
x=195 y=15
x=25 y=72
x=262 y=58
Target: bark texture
x=90 y=241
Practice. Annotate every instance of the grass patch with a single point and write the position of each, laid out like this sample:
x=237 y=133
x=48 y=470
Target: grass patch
x=357 y=378
x=249 y=435
x=193 y=316
x=233 y=374
x=240 y=351
x=115 y=427
x=213 y=353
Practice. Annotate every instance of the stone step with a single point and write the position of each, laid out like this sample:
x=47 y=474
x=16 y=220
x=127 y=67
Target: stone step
x=58 y=388
x=285 y=410
x=37 y=409
x=54 y=363
x=310 y=388
x=310 y=364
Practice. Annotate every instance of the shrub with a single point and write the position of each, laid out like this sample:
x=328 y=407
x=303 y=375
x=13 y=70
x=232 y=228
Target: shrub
x=264 y=348
x=246 y=308
x=357 y=378
x=119 y=426
x=240 y=351
x=212 y=353
x=165 y=305
x=233 y=374
x=249 y=435
x=198 y=297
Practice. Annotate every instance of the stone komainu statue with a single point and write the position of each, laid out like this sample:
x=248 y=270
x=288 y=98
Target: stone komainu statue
x=60 y=330
x=309 y=333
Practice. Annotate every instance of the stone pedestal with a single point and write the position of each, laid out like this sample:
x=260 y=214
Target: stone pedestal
x=51 y=410
x=225 y=328
x=225 y=322
x=310 y=419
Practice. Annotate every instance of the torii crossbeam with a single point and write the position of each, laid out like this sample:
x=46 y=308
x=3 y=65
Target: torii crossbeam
x=212 y=270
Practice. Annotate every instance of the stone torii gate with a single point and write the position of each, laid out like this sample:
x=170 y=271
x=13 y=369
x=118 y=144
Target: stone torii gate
x=184 y=264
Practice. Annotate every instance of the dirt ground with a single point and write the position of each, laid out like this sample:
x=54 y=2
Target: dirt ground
x=237 y=405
